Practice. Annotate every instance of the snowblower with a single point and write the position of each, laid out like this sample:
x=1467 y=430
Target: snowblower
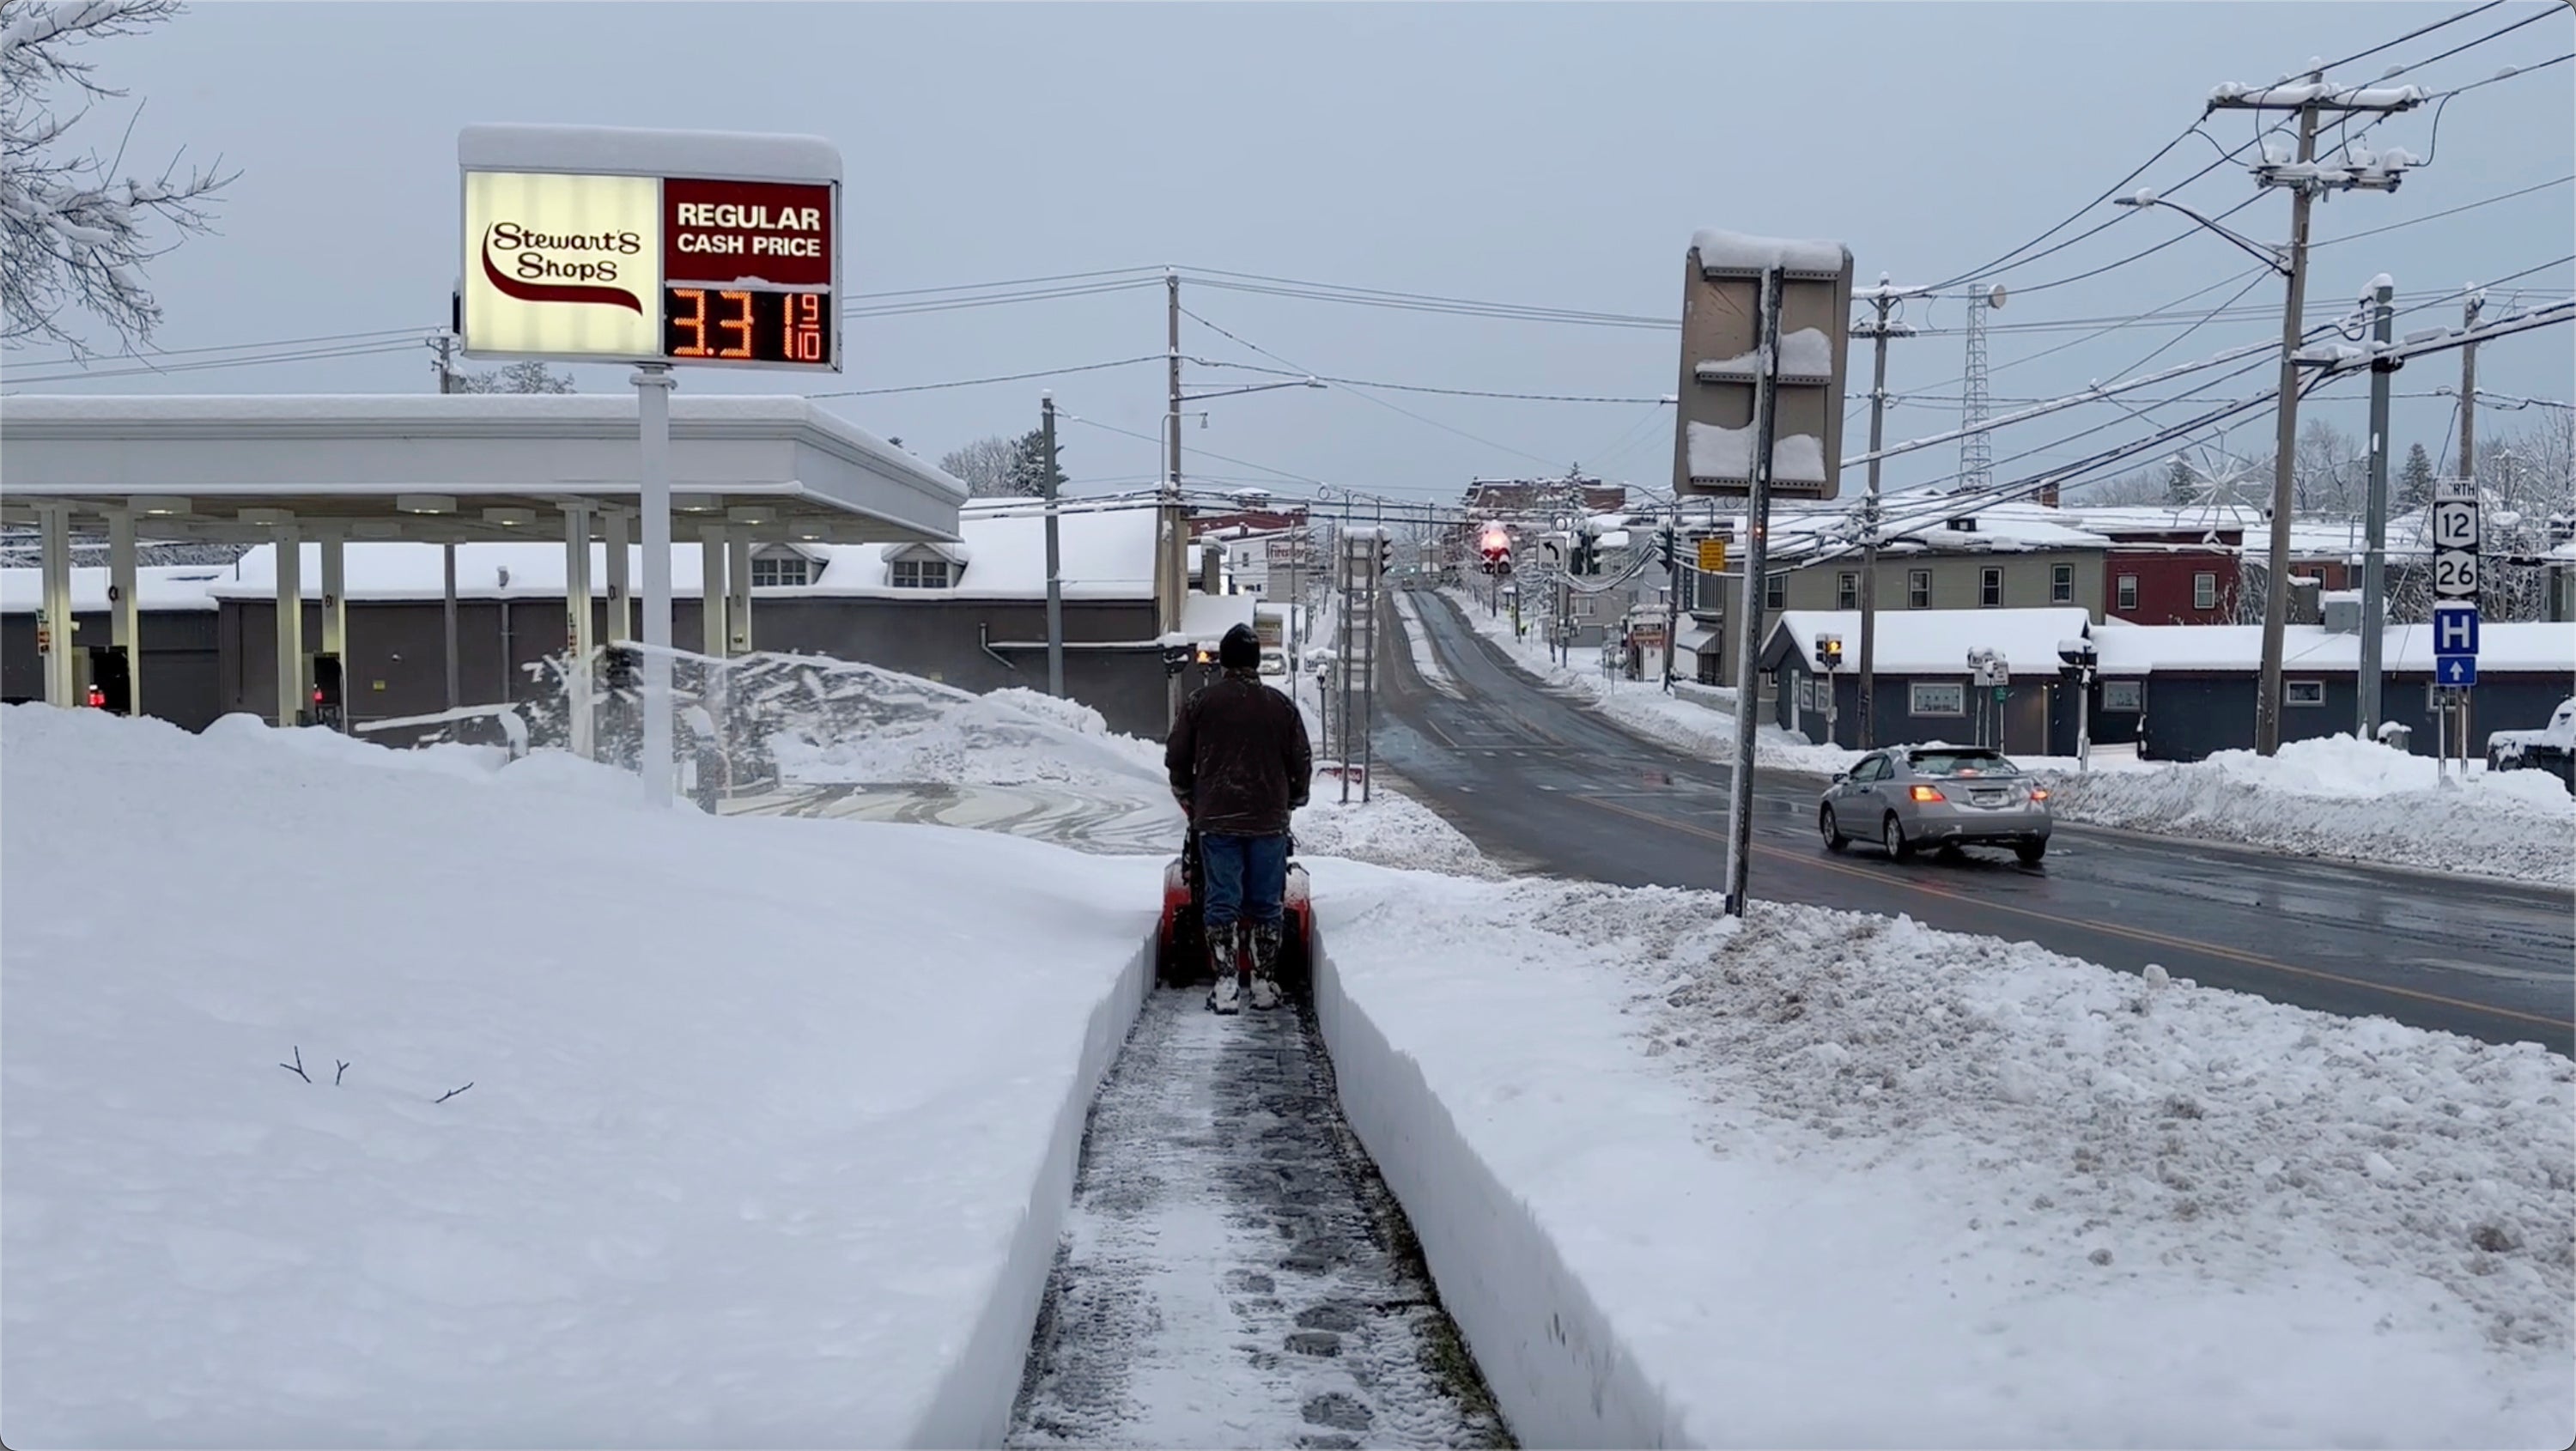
x=1180 y=943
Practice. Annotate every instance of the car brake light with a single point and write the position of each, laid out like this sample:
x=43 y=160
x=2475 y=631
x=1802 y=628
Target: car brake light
x=2038 y=793
x=1926 y=793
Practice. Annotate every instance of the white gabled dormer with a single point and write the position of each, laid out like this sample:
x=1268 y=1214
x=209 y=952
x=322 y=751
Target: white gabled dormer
x=773 y=565
x=925 y=566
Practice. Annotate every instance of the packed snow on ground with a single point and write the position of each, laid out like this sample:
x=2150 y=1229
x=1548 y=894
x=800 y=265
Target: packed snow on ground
x=768 y=1123
x=2338 y=796
x=1834 y=1180
x=1694 y=720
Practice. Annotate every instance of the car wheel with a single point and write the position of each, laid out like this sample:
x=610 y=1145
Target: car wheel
x=2031 y=851
x=1891 y=834
x=1832 y=829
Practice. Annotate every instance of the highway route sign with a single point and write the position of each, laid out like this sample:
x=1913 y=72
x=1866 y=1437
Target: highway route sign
x=2455 y=547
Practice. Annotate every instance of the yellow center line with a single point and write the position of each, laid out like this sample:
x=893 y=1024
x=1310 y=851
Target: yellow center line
x=2139 y=934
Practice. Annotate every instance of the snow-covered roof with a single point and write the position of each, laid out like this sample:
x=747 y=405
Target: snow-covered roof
x=156 y=586
x=1934 y=642
x=1103 y=554
x=352 y=457
x=1205 y=617
x=2127 y=649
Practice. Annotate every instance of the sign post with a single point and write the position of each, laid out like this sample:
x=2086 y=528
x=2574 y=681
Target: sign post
x=1765 y=324
x=2455 y=617
x=658 y=248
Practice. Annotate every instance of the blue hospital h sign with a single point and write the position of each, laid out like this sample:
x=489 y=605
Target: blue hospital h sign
x=2455 y=630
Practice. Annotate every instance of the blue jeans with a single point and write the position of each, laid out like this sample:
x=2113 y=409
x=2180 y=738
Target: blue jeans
x=1244 y=876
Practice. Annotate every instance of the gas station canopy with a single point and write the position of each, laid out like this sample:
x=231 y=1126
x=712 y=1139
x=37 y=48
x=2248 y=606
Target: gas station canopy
x=456 y=467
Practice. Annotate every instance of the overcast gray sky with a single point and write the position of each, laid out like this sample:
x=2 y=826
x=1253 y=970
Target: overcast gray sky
x=1548 y=155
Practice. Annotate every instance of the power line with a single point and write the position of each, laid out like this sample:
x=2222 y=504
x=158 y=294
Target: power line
x=2452 y=212
x=82 y=360
x=2418 y=32
x=354 y=350
x=1361 y=393
x=2533 y=19
x=997 y=378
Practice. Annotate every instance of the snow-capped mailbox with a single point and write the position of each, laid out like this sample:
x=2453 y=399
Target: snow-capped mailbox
x=606 y=244
x=1724 y=356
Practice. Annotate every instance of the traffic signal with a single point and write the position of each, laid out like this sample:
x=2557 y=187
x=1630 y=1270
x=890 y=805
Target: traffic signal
x=1829 y=653
x=1176 y=658
x=111 y=680
x=1496 y=547
x=328 y=699
x=1668 y=550
x=1385 y=554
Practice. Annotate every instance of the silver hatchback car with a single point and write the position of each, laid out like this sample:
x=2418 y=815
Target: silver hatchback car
x=1936 y=796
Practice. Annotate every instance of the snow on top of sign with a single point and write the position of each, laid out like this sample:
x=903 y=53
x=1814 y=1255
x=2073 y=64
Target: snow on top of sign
x=1722 y=251
x=1806 y=353
x=1937 y=642
x=1720 y=452
x=645 y=151
x=1798 y=459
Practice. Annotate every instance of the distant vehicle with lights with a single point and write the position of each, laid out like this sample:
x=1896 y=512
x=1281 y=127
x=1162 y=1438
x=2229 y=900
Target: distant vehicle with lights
x=1940 y=797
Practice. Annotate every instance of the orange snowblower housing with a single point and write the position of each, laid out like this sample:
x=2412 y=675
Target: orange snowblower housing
x=1180 y=942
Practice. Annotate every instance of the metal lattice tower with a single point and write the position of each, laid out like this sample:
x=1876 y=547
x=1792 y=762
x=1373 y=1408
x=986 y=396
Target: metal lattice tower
x=1977 y=450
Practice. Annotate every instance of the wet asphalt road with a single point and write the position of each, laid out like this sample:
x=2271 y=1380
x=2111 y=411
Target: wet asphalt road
x=1544 y=783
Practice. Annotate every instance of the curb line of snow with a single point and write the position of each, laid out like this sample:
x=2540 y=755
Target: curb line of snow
x=1559 y=1372
x=972 y=1406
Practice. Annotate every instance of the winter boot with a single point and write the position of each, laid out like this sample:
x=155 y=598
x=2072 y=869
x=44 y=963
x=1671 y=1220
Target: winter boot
x=1225 y=960
x=1264 y=964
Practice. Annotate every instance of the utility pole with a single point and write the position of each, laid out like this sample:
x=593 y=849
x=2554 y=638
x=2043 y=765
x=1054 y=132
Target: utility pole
x=1055 y=579
x=2469 y=392
x=1880 y=329
x=1175 y=527
x=2310 y=98
x=2276 y=583
x=447 y=551
x=2374 y=589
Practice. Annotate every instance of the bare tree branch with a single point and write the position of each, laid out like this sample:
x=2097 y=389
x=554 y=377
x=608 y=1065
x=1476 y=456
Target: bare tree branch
x=451 y=1093
x=335 y=1078
x=74 y=239
x=297 y=1067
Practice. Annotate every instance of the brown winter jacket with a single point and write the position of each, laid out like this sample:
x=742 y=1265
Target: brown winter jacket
x=1238 y=757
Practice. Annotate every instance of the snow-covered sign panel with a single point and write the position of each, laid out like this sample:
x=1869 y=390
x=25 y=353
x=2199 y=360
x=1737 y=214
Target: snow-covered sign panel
x=616 y=245
x=1726 y=360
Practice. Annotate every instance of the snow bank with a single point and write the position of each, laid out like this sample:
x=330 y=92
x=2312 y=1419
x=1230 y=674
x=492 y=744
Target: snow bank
x=771 y=1127
x=2338 y=796
x=1389 y=830
x=1835 y=1180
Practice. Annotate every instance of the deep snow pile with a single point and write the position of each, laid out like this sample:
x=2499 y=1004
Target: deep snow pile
x=1965 y=1192
x=922 y=732
x=1697 y=721
x=1388 y=830
x=761 y=1111
x=2337 y=796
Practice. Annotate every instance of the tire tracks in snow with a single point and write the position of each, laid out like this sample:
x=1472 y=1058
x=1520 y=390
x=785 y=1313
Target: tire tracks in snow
x=1232 y=1272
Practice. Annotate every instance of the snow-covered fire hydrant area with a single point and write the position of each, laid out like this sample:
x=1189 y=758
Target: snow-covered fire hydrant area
x=772 y=1125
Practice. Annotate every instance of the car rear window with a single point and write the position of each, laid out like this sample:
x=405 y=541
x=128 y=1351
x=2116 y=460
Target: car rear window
x=1961 y=763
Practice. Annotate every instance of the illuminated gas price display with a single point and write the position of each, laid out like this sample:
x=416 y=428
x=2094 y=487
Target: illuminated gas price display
x=747 y=273
x=694 y=270
x=708 y=324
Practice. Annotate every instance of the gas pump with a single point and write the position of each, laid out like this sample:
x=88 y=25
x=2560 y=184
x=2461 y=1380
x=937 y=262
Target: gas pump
x=110 y=686
x=329 y=699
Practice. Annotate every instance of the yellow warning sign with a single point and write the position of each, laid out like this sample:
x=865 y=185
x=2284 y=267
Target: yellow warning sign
x=1712 y=556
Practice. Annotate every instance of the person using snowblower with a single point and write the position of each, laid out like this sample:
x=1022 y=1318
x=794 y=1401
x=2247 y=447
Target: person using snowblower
x=1240 y=763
